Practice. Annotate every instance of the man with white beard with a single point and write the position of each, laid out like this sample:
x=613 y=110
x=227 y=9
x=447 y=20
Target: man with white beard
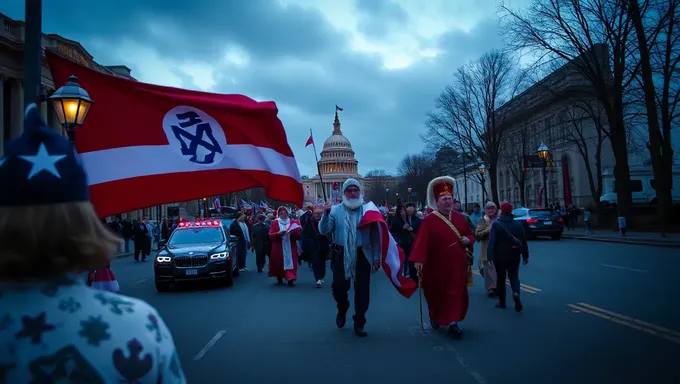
x=355 y=254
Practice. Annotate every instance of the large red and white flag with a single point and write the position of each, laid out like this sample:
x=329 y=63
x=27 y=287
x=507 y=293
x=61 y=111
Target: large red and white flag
x=393 y=256
x=144 y=145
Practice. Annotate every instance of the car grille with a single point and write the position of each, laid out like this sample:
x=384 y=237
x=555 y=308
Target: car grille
x=191 y=261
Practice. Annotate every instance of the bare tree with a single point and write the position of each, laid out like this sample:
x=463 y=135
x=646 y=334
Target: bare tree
x=415 y=172
x=512 y=157
x=376 y=182
x=570 y=31
x=657 y=28
x=467 y=111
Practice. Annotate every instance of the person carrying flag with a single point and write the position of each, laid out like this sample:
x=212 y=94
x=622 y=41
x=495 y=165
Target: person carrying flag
x=355 y=254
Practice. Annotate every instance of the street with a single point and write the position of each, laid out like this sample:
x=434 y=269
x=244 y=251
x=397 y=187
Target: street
x=593 y=312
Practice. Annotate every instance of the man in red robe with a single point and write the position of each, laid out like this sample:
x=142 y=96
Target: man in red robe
x=440 y=255
x=284 y=233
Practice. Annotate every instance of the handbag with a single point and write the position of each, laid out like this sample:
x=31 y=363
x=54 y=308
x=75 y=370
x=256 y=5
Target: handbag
x=468 y=251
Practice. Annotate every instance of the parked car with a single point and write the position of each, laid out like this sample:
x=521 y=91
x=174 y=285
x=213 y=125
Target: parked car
x=540 y=222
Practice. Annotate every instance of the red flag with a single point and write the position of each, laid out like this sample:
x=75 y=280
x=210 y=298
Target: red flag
x=144 y=145
x=309 y=142
x=393 y=256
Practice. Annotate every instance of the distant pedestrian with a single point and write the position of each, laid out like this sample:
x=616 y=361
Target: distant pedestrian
x=507 y=243
x=283 y=234
x=260 y=238
x=586 y=220
x=317 y=245
x=486 y=268
x=622 y=225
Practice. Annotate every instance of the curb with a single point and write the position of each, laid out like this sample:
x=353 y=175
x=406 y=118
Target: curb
x=651 y=243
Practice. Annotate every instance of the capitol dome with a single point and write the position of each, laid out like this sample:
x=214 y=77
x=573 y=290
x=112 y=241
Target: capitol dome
x=337 y=141
x=337 y=156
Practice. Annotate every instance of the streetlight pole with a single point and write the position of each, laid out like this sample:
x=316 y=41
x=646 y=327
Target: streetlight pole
x=409 y=194
x=387 y=196
x=543 y=153
x=32 y=52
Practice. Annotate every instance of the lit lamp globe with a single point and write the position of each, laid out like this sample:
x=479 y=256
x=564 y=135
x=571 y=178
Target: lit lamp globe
x=71 y=105
x=482 y=169
x=543 y=152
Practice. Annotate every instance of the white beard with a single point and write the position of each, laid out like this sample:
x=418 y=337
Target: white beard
x=353 y=204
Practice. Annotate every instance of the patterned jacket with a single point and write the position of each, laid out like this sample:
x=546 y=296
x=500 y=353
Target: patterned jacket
x=61 y=331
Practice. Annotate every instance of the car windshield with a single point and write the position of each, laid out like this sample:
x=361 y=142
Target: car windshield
x=196 y=236
x=519 y=212
x=543 y=214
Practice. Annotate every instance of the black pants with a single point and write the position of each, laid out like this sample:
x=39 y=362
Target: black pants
x=409 y=266
x=143 y=248
x=318 y=265
x=507 y=268
x=362 y=286
x=242 y=253
x=260 y=256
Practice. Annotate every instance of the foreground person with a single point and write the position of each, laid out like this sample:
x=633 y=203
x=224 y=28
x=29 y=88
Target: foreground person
x=486 y=268
x=354 y=254
x=316 y=246
x=284 y=234
x=440 y=254
x=507 y=243
x=54 y=328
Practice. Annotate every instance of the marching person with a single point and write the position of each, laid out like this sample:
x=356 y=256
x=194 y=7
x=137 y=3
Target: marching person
x=239 y=228
x=507 y=242
x=316 y=245
x=486 y=268
x=55 y=329
x=354 y=254
x=442 y=255
x=142 y=239
x=284 y=234
x=260 y=238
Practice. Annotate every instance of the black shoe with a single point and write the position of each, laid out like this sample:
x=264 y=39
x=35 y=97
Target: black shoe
x=341 y=319
x=491 y=293
x=144 y=260
x=137 y=260
x=291 y=283
x=359 y=331
x=434 y=325
x=455 y=331
x=279 y=281
x=518 y=303
x=500 y=305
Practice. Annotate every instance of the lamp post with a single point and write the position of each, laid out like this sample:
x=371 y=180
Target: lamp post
x=387 y=196
x=409 y=194
x=543 y=153
x=32 y=51
x=205 y=208
x=482 y=170
x=71 y=104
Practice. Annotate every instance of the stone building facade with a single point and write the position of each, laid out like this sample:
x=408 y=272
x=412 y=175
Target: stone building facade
x=12 y=91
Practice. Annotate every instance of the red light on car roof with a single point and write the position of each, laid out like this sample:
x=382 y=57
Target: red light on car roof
x=203 y=224
x=216 y=222
x=182 y=224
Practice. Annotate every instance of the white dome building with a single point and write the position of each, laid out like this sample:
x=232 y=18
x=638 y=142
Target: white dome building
x=337 y=164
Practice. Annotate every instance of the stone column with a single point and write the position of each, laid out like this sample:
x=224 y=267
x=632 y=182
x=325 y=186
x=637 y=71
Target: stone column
x=2 y=115
x=43 y=108
x=16 y=107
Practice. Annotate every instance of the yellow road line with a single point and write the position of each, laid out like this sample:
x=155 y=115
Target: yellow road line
x=523 y=287
x=636 y=324
x=632 y=320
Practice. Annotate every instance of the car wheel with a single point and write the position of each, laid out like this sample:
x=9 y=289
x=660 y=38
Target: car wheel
x=162 y=286
x=227 y=281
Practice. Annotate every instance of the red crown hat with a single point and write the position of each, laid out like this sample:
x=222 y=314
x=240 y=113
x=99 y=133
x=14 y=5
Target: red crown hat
x=443 y=189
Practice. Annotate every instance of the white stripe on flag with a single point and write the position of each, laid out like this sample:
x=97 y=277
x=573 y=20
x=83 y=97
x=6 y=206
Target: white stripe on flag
x=128 y=162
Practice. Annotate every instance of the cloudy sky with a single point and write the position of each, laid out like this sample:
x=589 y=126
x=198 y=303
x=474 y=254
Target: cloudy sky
x=383 y=61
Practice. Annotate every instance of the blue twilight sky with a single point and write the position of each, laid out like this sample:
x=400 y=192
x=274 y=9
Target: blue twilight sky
x=383 y=61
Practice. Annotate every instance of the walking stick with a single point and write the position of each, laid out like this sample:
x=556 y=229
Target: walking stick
x=420 y=297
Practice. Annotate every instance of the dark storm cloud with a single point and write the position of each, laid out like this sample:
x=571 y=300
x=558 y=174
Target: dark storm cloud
x=295 y=58
x=378 y=17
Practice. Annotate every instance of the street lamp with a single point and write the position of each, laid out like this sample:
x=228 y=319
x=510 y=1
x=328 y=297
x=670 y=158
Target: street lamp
x=543 y=153
x=482 y=170
x=409 y=194
x=71 y=104
x=387 y=196
x=205 y=208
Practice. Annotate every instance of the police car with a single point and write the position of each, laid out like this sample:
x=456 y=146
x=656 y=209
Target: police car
x=196 y=251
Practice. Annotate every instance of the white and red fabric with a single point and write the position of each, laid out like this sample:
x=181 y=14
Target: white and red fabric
x=144 y=145
x=392 y=255
x=217 y=203
x=104 y=280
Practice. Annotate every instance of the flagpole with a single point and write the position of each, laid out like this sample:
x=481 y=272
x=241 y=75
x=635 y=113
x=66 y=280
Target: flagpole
x=325 y=199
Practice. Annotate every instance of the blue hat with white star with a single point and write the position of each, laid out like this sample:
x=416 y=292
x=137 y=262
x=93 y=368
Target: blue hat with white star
x=40 y=167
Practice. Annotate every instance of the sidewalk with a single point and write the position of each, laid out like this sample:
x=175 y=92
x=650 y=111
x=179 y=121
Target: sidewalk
x=671 y=240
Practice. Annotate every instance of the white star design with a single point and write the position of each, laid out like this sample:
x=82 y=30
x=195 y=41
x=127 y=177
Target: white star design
x=43 y=161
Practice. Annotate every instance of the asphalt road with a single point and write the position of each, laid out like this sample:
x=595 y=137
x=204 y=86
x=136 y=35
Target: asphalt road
x=594 y=313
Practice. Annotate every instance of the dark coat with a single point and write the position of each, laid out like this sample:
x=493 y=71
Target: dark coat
x=402 y=236
x=507 y=240
x=316 y=244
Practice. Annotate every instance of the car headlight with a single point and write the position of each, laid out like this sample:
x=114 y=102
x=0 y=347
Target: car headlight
x=163 y=259
x=219 y=256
